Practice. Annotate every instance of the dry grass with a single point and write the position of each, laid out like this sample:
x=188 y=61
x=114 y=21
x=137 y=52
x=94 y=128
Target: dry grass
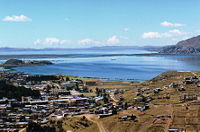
x=75 y=124
x=180 y=116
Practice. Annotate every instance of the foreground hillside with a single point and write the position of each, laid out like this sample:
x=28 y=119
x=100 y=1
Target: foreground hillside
x=168 y=102
x=174 y=104
x=189 y=46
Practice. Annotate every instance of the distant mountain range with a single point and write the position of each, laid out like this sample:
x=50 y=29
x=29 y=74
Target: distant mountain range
x=189 y=46
x=150 y=48
x=28 y=49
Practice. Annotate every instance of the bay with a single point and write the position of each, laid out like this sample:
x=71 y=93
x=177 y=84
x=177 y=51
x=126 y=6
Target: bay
x=115 y=67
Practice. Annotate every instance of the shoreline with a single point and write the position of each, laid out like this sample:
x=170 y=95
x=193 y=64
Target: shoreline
x=82 y=55
x=32 y=56
x=79 y=77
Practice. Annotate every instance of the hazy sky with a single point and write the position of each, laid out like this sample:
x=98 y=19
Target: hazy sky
x=88 y=23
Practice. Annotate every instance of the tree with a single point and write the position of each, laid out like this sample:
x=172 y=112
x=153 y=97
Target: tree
x=59 y=126
x=97 y=91
x=16 y=92
x=114 y=110
x=83 y=118
x=125 y=106
x=105 y=99
x=34 y=127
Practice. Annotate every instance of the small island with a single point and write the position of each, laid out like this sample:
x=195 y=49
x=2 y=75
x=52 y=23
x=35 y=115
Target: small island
x=17 y=62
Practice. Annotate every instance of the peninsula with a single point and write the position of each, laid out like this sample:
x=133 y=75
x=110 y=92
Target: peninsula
x=17 y=62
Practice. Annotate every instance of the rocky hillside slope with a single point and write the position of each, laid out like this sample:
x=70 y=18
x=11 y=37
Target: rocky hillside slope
x=189 y=46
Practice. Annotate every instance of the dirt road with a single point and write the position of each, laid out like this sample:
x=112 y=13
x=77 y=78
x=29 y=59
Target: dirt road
x=94 y=119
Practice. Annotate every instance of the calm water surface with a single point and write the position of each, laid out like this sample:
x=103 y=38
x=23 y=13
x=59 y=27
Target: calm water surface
x=114 y=68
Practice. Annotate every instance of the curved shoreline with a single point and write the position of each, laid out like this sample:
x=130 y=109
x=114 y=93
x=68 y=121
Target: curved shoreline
x=74 y=55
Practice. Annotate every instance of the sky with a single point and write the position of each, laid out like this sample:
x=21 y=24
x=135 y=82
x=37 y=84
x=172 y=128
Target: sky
x=93 y=23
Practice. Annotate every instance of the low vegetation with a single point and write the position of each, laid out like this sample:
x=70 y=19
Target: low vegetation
x=16 y=92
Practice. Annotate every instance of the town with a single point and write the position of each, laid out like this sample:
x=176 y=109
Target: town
x=59 y=96
x=163 y=100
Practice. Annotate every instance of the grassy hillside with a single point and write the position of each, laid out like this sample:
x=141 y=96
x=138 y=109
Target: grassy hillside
x=163 y=113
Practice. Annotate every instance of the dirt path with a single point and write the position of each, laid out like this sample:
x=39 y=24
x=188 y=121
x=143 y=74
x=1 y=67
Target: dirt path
x=94 y=118
x=170 y=121
x=22 y=130
x=112 y=96
x=194 y=73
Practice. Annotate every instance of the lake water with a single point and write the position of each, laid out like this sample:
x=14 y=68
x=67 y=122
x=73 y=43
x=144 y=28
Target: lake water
x=84 y=64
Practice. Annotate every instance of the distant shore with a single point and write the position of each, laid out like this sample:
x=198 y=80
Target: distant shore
x=77 y=55
x=113 y=62
x=86 y=78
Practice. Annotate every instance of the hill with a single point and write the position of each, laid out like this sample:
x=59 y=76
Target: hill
x=189 y=46
x=11 y=91
x=16 y=62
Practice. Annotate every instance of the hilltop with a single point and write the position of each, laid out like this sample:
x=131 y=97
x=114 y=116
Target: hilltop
x=16 y=62
x=188 y=46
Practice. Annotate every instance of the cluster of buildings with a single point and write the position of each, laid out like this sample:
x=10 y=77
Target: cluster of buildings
x=185 y=89
x=179 y=86
x=60 y=97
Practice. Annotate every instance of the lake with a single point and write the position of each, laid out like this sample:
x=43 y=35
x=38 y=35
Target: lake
x=119 y=67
